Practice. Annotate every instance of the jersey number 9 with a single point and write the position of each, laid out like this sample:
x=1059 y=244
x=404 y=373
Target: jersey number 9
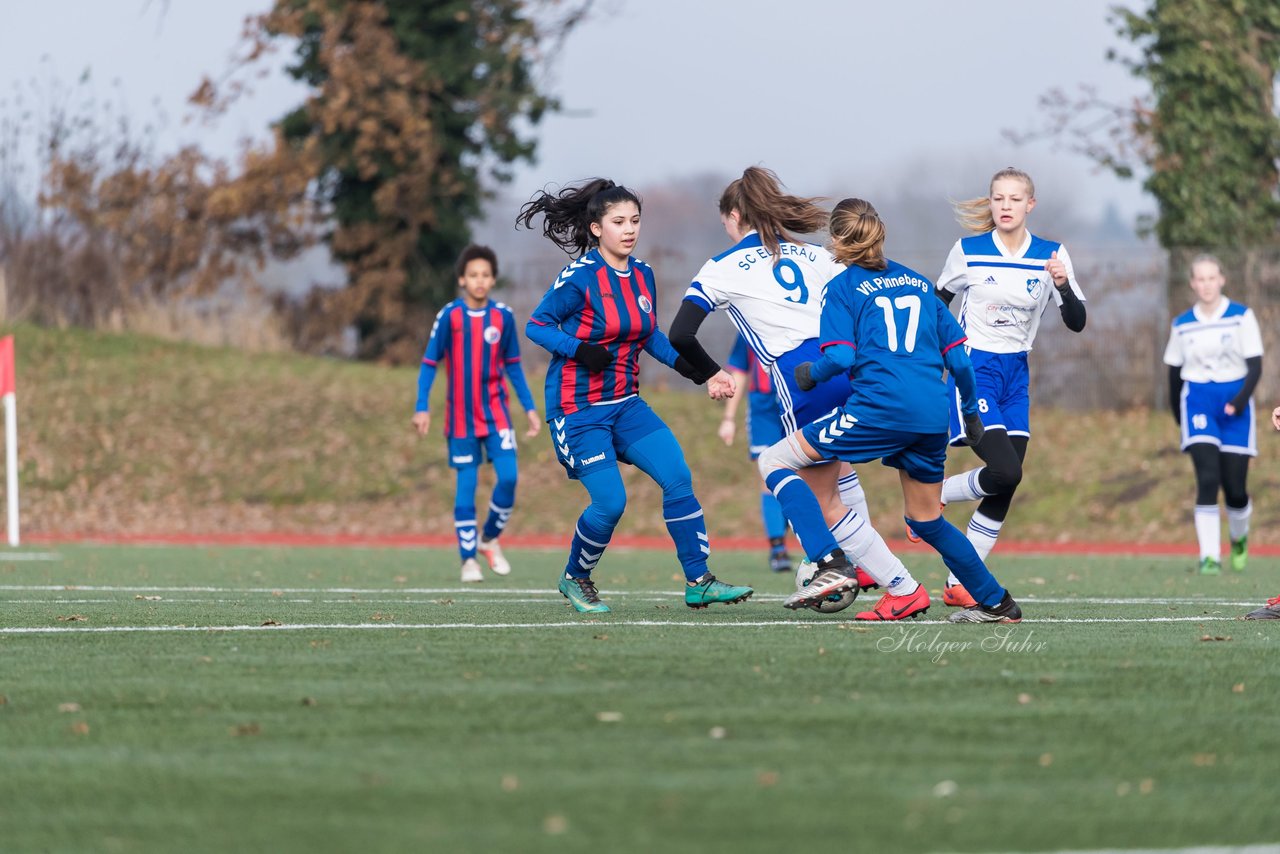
x=794 y=283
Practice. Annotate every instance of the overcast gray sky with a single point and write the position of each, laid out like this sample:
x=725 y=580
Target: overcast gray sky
x=835 y=96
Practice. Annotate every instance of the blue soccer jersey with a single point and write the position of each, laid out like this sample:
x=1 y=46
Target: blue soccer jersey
x=899 y=332
x=590 y=301
x=481 y=349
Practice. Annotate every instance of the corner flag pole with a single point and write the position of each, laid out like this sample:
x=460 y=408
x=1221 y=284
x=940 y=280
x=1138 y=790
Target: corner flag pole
x=8 y=391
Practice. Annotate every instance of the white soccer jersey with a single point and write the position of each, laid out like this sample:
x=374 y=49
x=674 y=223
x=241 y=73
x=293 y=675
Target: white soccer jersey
x=1212 y=348
x=776 y=307
x=1003 y=294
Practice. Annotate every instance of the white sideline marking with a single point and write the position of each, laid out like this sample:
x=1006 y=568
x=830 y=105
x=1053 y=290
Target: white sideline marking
x=586 y=622
x=6 y=556
x=503 y=592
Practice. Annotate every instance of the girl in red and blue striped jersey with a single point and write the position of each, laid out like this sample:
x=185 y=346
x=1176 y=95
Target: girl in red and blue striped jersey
x=596 y=318
x=477 y=338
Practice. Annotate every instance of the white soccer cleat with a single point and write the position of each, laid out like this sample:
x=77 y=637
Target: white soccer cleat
x=493 y=553
x=471 y=571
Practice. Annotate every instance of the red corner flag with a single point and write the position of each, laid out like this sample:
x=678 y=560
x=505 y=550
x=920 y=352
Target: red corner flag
x=7 y=384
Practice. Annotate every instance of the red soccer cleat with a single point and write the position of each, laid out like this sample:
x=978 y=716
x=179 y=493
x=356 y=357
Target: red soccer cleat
x=865 y=581
x=957 y=597
x=892 y=607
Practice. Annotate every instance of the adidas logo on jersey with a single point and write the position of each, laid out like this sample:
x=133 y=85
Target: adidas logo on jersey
x=991 y=280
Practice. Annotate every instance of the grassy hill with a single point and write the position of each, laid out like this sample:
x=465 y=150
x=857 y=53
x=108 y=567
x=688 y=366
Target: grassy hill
x=126 y=434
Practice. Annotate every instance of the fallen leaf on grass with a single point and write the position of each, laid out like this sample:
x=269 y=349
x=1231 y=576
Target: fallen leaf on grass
x=717 y=732
x=1046 y=759
x=80 y=728
x=72 y=618
x=251 y=728
x=510 y=782
x=442 y=601
x=401 y=579
x=1215 y=637
x=4 y=701
x=271 y=623
x=1146 y=786
x=609 y=717
x=600 y=637
x=555 y=824
x=379 y=617
x=1204 y=760
x=1023 y=699
x=766 y=779
x=308 y=701
x=147 y=598
x=1237 y=688
x=68 y=707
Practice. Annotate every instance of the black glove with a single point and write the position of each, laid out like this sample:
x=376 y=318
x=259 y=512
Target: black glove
x=594 y=357
x=804 y=378
x=973 y=429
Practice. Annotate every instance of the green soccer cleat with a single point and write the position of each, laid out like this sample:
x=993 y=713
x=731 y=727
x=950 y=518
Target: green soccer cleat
x=1210 y=566
x=582 y=595
x=1239 y=553
x=709 y=590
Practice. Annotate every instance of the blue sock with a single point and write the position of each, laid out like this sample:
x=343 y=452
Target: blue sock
x=775 y=524
x=595 y=526
x=464 y=511
x=961 y=558
x=803 y=511
x=504 y=497
x=688 y=529
x=464 y=526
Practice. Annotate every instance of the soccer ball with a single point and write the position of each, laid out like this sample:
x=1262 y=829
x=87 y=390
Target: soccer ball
x=833 y=603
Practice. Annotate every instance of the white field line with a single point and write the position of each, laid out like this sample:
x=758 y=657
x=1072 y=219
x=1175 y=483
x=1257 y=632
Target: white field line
x=8 y=556
x=548 y=598
x=502 y=592
x=595 y=623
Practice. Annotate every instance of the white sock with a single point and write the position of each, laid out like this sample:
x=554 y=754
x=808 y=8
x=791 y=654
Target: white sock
x=983 y=533
x=865 y=547
x=1238 y=521
x=1209 y=531
x=963 y=487
x=853 y=496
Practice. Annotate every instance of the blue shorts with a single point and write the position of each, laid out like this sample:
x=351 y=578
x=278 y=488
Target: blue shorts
x=764 y=426
x=469 y=452
x=841 y=436
x=1204 y=421
x=598 y=437
x=1004 y=398
x=803 y=407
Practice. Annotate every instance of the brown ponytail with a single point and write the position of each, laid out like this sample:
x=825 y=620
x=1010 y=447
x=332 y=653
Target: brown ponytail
x=758 y=198
x=857 y=235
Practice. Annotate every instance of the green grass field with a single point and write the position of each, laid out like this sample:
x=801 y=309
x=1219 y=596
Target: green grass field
x=146 y=707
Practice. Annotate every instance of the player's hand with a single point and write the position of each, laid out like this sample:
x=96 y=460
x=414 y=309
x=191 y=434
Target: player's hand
x=594 y=357
x=1229 y=409
x=728 y=429
x=422 y=422
x=1275 y=418
x=535 y=424
x=973 y=429
x=1057 y=270
x=804 y=376
x=721 y=386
